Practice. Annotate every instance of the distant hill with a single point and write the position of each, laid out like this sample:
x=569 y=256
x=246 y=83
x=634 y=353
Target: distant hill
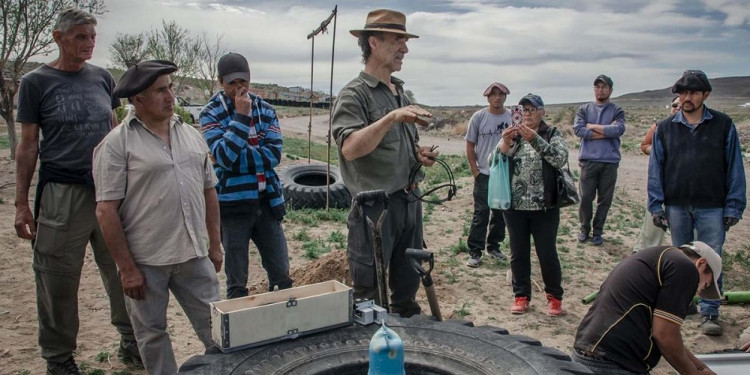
x=726 y=91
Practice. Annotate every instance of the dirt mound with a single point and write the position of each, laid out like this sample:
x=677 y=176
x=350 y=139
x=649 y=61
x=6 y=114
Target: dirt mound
x=331 y=266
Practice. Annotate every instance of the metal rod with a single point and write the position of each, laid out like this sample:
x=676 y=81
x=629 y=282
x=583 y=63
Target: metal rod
x=323 y=24
x=330 y=110
x=309 y=124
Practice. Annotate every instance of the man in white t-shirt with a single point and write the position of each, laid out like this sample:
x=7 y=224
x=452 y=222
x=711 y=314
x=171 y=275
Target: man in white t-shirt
x=485 y=131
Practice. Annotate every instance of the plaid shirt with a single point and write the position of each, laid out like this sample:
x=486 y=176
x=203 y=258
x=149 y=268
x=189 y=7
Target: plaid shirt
x=245 y=150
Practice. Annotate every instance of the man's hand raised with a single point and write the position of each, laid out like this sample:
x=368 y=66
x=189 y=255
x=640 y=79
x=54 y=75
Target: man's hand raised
x=242 y=102
x=411 y=114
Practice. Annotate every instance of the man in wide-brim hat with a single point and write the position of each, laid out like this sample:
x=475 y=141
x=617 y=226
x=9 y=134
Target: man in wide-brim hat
x=373 y=124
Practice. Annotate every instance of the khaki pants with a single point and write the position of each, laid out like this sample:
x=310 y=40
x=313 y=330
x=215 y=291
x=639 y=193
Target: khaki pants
x=194 y=285
x=66 y=224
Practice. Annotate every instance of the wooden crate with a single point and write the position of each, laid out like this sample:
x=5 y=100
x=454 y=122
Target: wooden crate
x=284 y=314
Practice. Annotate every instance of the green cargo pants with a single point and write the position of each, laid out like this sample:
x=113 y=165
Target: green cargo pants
x=66 y=223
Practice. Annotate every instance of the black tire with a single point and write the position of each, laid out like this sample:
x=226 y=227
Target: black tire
x=439 y=348
x=305 y=187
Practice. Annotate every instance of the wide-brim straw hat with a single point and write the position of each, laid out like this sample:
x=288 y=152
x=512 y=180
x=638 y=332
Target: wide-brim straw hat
x=385 y=20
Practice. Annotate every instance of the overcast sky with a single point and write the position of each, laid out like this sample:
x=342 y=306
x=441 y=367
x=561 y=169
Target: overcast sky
x=551 y=48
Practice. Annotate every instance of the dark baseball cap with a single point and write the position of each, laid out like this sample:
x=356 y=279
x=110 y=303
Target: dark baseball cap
x=232 y=66
x=603 y=79
x=692 y=80
x=142 y=75
x=534 y=100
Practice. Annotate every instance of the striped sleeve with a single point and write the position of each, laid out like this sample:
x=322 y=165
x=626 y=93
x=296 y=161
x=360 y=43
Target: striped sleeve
x=234 y=144
x=669 y=316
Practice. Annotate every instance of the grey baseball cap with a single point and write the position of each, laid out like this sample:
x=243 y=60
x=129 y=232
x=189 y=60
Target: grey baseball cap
x=603 y=79
x=232 y=66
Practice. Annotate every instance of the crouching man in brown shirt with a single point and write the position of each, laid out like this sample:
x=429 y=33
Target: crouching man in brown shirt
x=159 y=213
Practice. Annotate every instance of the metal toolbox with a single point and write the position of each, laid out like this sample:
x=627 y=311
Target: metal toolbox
x=284 y=314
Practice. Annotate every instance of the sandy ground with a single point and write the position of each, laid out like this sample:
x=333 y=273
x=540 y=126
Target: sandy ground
x=482 y=295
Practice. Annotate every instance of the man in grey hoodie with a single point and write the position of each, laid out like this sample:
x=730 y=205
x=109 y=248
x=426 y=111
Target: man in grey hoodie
x=599 y=124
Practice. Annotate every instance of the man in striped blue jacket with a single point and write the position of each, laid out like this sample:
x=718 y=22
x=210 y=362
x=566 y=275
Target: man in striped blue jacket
x=243 y=135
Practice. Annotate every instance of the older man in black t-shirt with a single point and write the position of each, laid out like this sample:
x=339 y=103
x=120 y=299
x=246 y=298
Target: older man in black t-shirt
x=641 y=305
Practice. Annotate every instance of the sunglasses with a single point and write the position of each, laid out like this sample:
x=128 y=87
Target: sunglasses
x=675 y=105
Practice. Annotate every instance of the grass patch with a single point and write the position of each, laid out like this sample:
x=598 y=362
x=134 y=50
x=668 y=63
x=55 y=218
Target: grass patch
x=463 y=311
x=460 y=247
x=315 y=248
x=312 y=217
x=301 y=235
x=103 y=356
x=337 y=239
x=297 y=149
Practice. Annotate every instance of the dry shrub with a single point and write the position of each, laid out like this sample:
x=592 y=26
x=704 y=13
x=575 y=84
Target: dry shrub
x=460 y=128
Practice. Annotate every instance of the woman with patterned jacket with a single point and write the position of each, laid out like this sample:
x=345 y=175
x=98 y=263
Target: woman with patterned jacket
x=536 y=152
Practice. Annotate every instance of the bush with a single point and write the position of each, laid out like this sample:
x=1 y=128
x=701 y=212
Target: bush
x=122 y=111
x=184 y=114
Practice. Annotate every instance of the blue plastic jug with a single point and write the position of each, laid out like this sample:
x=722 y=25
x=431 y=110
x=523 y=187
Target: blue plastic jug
x=386 y=353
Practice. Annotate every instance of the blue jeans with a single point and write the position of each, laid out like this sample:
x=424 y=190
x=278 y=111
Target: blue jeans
x=255 y=223
x=688 y=224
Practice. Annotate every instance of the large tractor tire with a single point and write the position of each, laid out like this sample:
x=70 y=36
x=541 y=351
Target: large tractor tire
x=431 y=348
x=305 y=187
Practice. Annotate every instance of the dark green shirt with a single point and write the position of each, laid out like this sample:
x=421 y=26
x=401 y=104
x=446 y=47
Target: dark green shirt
x=360 y=103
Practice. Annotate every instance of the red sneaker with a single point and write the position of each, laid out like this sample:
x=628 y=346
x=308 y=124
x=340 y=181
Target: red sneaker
x=520 y=305
x=554 y=306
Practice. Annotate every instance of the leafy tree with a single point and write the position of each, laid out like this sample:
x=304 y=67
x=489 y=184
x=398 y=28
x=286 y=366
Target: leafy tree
x=174 y=43
x=212 y=50
x=128 y=50
x=409 y=94
x=27 y=32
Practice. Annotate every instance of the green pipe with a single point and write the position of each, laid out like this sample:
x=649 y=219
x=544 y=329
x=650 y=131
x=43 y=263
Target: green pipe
x=588 y=299
x=736 y=297
x=729 y=298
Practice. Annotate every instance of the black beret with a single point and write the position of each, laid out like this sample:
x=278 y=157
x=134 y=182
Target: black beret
x=140 y=76
x=692 y=80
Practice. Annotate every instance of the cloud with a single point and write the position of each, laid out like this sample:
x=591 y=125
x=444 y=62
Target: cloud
x=550 y=48
x=737 y=12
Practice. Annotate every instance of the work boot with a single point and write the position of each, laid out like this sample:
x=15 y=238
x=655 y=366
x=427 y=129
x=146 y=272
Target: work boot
x=582 y=237
x=474 y=261
x=497 y=254
x=128 y=353
x=68 y=367
x=710 y=325
x=520 y=305
x=554 y=306
x=597 y=239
